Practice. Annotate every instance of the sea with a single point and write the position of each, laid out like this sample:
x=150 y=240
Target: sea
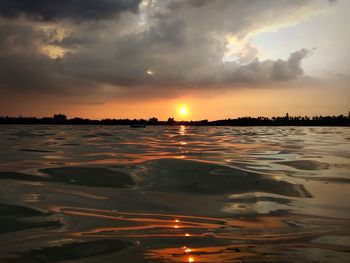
x=174 y=194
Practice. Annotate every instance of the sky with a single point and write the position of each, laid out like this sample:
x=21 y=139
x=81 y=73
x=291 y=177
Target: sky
x=142 y=58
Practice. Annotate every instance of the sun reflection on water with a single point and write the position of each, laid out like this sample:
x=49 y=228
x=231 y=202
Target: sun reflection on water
x=188 y=250
x=182 y=130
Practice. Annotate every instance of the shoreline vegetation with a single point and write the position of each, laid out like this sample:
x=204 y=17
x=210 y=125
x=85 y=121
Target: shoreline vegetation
x=61 y=119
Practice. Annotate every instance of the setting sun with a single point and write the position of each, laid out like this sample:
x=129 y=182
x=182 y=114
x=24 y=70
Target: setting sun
x=183 y=110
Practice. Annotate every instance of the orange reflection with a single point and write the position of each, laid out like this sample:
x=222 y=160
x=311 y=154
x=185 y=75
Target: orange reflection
x=80 y=193
x=203 y=254
x=198 y=222
x=246 y=231
x=182 y=130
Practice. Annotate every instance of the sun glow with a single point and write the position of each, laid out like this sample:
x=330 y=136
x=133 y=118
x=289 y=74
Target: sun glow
x=190 y=259
x=183 y=110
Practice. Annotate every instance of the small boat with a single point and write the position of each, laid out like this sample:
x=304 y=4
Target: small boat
x=138 y=126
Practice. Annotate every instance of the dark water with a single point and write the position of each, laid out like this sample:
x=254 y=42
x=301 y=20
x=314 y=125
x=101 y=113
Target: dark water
x=174 y=194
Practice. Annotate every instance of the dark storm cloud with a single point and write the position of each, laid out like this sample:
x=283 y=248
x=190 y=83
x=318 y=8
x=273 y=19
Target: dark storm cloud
x=183 y=49
x=14 y=37
x=37 y=73
x=73 y=41
x=176 y=5
x=48 y=10
x=25 y=69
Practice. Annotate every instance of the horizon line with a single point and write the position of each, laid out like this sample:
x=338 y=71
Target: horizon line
x=64 y=117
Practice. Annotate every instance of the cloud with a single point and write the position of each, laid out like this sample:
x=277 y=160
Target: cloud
x=267 y=71
x=24 y=68
x=291 y=68
x=184 y=49
x=71 y=9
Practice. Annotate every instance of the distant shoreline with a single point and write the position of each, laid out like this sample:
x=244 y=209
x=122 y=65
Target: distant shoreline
x=60 y=119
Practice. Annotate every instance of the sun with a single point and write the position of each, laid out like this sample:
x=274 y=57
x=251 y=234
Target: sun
x=183 y=110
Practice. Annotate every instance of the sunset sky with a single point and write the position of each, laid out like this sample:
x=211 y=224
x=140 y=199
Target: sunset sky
x=139 y=59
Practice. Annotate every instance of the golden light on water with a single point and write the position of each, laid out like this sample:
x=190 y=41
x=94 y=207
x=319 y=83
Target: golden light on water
x=182 y=130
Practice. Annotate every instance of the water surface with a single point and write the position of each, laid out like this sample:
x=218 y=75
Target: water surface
x=174 y=194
